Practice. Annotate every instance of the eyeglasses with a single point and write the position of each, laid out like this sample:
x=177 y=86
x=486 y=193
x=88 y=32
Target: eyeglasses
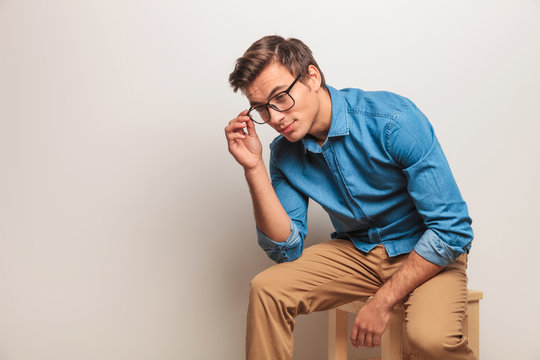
x=282 y=101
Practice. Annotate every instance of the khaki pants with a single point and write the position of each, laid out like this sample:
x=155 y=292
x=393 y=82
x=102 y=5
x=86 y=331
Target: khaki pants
x=334 y=273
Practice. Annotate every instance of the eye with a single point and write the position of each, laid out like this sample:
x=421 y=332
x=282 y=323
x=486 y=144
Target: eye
x=280 y=98
x=260 y=109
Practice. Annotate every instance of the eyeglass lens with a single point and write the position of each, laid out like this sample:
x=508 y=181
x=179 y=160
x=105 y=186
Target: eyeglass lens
x=281 y=102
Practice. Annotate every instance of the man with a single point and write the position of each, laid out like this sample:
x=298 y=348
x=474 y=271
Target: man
x=372 y=161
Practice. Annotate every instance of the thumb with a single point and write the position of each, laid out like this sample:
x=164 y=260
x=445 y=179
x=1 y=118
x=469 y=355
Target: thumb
x=251 y=128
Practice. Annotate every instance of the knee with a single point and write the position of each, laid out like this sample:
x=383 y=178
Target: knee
x=273 y=288
x=435 y=342
x=258 y=283
x=264 y=285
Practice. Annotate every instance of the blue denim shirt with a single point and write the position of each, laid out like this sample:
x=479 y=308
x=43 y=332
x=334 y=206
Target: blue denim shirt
x=381 y=176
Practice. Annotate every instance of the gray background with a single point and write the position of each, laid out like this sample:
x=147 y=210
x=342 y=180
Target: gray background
x=125 y=226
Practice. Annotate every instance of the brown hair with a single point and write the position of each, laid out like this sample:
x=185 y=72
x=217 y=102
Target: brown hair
x=292 y=53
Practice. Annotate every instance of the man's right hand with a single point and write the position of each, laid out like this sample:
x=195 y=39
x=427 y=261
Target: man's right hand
x=246 y=148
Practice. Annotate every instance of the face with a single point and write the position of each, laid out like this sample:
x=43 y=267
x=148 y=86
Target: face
x=296 y=122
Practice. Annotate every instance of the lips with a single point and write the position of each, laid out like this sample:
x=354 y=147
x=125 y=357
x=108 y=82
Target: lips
x=288 y=128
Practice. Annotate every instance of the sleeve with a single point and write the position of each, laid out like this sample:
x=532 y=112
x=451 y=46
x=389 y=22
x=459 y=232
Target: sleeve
x=296 y=205
x=412 y=143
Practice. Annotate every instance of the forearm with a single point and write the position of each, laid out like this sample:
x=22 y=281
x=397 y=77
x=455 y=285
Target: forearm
x=270 y=216
x=415 y=271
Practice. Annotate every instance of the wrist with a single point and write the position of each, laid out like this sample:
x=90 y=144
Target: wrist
x=257 y=168
x=383 y=301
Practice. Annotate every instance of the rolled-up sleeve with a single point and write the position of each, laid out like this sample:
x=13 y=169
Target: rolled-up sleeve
x=295 y=204
x=411 y=141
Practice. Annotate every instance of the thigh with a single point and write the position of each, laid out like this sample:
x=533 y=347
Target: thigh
x=325 y=276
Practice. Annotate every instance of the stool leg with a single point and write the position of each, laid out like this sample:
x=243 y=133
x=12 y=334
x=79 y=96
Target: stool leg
x=391 y=342
x=337 y=335
x=473 y=326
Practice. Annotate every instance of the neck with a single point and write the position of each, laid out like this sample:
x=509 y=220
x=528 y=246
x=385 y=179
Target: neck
x=321 y=125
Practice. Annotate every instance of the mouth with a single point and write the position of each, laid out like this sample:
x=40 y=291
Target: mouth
x=288 y=128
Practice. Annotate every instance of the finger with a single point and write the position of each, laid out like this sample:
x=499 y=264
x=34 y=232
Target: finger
x=239 y=119
x=368 y=340
x=360 y=339
x=376 y=340
x=236 y=136
x=236 y=126
x=242 y=115
x=251 y=128
x=244 y=112
x=354 y=336
x=231 y=134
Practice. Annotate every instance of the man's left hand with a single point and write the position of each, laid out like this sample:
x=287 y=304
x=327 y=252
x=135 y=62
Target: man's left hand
x=370 y=324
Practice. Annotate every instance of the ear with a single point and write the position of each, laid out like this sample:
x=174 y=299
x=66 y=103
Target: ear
x=314 y=78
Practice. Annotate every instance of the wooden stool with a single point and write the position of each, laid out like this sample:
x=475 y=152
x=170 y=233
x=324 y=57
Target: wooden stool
x=394 y=345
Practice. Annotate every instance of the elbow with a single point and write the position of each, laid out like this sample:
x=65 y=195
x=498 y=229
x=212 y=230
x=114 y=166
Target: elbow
x=291 y=251
x=285 y=251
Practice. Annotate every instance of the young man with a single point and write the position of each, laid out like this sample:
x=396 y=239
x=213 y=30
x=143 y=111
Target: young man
x=372 y=161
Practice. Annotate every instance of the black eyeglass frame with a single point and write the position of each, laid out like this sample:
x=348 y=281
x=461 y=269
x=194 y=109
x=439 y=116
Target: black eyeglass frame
x=251 y=108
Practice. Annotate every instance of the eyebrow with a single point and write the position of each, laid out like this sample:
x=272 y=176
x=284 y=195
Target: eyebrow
x=274 y=90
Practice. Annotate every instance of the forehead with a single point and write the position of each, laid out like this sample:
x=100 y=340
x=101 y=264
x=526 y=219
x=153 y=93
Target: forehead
x=274 y=77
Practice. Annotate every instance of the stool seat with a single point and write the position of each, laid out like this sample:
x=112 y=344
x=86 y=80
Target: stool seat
x=394 y=345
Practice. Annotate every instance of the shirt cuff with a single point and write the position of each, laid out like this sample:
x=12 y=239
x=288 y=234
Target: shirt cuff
x=282 y=251
x=433 y=249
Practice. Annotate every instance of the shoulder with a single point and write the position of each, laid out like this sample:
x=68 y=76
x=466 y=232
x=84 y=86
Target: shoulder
x=388 y=109
x=379 y=110
x=382 y=104
x=375 y=113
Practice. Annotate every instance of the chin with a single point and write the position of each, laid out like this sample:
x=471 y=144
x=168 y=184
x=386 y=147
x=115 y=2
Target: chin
x=294 y=137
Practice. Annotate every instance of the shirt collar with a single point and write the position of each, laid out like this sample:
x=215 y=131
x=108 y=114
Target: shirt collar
x=339 y=125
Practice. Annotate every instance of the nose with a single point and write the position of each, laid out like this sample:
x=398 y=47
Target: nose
x=275 y=116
